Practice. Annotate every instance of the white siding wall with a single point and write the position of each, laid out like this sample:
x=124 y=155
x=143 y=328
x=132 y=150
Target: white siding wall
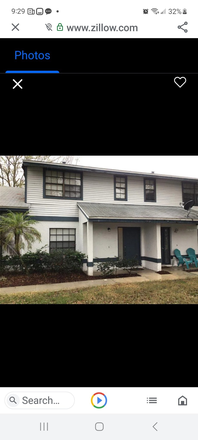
x=40 y=206
x=98 y=188
x=183 y=237
x=105 y=241
x=44 y=228
x=168 y=192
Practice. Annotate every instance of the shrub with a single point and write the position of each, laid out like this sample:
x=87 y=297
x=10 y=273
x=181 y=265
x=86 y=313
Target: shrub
x=40 y=261
x=107 y=267
x=67 y=261
x=110 y=267
x=36 y=261
x=13 y=264
x=127 y=264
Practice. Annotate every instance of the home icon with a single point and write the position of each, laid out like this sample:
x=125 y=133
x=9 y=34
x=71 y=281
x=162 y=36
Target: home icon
x=182 y=400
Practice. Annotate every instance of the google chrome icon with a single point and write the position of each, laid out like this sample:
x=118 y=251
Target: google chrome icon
x=99 y=400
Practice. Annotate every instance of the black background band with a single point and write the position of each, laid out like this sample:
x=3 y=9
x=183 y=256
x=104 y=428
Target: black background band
x=103 y=55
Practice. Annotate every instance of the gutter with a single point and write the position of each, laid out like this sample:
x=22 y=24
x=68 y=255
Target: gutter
x=148 y=220
x=13 y=208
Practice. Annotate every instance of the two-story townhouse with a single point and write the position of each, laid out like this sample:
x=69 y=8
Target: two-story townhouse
x=108 y=213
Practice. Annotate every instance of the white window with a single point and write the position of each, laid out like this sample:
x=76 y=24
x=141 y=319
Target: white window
x=62 y=239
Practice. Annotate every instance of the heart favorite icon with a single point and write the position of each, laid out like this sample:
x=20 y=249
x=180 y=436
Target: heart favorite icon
x=180 y=81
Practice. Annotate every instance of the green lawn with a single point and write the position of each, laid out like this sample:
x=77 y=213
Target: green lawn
x=156 y=292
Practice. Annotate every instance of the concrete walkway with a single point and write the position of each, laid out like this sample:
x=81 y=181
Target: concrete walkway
x=145 y=275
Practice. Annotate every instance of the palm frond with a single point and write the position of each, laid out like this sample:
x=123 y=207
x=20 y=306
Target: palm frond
x=17 y=227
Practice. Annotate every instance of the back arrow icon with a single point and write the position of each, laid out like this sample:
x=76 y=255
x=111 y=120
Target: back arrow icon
x=155 y=427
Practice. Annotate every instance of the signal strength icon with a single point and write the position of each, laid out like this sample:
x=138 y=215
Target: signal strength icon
x=155 y=10
x=164 y=11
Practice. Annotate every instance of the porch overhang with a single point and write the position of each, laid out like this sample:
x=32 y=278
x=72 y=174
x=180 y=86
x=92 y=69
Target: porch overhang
x=103 y=212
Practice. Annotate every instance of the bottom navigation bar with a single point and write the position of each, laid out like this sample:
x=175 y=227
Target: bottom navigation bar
x=102 y=427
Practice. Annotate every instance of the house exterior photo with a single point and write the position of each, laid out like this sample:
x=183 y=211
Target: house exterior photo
x=107 y=213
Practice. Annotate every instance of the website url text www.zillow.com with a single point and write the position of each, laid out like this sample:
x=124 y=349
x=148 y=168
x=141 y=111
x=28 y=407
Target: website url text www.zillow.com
x=100 y=27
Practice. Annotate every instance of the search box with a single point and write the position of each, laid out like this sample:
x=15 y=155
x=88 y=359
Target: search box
x=39 y=401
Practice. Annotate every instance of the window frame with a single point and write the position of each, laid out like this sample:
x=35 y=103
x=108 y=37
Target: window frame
x=46 y=196
x=126 y=192
x=154 y=181
x=66 y=241
x=194 y=193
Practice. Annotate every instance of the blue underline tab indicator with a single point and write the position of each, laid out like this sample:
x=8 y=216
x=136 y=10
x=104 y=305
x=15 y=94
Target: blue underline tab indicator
x=32 y=71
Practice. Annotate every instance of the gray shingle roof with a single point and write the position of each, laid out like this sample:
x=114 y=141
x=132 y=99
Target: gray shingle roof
x=102 y=211
x=12 y=197
x=73 y=167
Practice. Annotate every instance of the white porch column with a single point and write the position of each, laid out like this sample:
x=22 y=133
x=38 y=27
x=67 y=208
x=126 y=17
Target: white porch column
x=151 y=246
x=90 y=248
x=158 y=250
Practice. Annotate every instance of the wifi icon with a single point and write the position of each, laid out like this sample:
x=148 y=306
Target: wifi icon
x=155 y=10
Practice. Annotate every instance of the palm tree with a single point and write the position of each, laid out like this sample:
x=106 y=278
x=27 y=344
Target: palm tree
x=15 y=228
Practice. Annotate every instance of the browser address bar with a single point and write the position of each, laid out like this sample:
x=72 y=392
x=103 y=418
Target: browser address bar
x=40 y=400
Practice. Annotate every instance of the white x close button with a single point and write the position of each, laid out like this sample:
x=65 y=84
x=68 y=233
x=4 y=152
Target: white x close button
x=17 y=84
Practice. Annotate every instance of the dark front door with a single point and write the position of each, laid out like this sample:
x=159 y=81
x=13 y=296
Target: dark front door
x=165 y=245
x=131 y=243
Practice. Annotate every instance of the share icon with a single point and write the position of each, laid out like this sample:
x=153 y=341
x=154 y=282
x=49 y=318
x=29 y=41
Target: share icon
x=181 y=26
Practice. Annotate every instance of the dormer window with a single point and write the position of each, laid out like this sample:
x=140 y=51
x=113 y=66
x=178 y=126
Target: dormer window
x=149 y=190
x=120 y=188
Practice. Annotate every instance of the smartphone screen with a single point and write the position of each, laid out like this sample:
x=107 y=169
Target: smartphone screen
x=98 y=77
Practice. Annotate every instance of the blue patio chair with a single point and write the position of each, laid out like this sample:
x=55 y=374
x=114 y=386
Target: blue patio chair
x=182 y=260
x=192 y=255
